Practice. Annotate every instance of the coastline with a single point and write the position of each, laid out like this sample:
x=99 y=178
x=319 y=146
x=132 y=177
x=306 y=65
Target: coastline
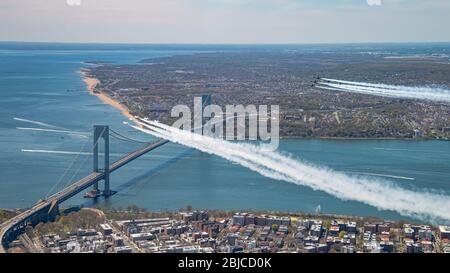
x=92 y=83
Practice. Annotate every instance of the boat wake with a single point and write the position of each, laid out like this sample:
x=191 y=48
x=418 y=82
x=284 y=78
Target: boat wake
x=40 y=123
x=76 y=133
x=67 y=152
x=385 y=175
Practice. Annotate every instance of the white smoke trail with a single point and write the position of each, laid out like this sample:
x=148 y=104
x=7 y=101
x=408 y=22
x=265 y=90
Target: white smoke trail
x=393 y=93
x=384 y=90
x=388 y=86
x=381 y=194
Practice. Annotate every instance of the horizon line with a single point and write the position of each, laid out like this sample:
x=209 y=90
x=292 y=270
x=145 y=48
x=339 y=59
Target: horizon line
x=221 y=44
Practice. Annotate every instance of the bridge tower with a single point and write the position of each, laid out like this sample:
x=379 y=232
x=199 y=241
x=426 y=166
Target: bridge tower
x=101 y=131
x=206 y=101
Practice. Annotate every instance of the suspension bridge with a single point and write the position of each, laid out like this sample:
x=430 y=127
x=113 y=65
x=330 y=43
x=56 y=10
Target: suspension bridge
x=47 y=209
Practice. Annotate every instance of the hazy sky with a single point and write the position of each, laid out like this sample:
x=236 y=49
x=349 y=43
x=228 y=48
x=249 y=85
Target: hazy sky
x=225 y=21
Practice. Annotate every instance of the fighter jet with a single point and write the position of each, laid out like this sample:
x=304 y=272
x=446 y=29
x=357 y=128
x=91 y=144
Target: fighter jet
x=316 y=81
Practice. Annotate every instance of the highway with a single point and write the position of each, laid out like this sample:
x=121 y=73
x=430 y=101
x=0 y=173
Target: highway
x=16 y=225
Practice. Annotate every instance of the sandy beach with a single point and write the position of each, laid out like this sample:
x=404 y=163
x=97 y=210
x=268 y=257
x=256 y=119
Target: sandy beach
x=92 y=84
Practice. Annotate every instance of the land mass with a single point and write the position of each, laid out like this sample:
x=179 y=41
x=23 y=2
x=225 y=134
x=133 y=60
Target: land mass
x=285 y=78
x=134 y=230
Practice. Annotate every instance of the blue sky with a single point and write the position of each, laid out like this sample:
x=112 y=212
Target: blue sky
x=225 y=21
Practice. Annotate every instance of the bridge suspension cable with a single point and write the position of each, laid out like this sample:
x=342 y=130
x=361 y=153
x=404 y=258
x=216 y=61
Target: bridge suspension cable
x=71 y=166
x=119 y=136
x=70 y=181
x=67 y=170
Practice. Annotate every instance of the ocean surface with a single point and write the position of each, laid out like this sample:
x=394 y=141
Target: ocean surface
x=42 y=97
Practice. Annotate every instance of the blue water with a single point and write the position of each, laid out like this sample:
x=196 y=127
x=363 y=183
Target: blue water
x=40 y=82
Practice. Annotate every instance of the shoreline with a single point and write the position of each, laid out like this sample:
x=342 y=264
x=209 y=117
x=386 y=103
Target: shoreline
x=92 y=83
x=292 y=213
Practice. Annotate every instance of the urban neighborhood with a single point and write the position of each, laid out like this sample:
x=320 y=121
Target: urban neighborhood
x=200 y=231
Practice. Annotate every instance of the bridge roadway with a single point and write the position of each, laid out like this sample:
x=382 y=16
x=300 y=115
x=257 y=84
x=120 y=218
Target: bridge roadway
x=46 y=209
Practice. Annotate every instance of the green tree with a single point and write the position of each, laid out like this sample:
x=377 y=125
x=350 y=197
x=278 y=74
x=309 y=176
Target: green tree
x=327 y=223
x=275 y=227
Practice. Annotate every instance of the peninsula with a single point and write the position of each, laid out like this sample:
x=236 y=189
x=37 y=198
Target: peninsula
x=92 y=84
